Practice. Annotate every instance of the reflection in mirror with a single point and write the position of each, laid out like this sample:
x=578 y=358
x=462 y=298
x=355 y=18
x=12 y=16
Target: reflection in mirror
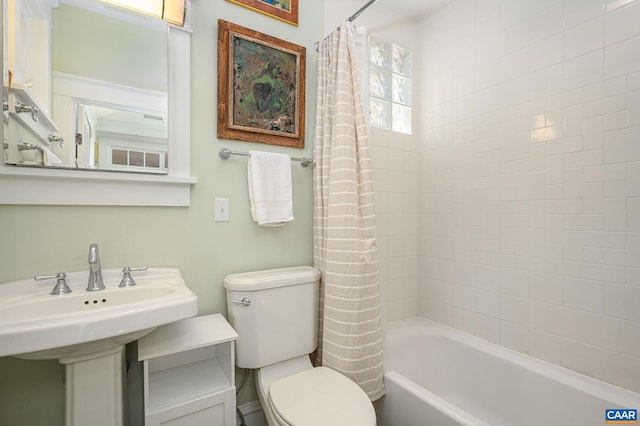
x=110 y=138
x=108 y=91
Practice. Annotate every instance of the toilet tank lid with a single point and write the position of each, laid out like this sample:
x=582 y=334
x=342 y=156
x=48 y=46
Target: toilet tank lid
x=271 y=278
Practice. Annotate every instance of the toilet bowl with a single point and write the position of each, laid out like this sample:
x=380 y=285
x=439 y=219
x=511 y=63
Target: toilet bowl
x=275 y=315
x=293 y=392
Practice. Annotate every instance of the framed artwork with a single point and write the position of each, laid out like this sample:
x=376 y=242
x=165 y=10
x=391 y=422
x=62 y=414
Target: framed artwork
x=284 y=10
x=261 y=87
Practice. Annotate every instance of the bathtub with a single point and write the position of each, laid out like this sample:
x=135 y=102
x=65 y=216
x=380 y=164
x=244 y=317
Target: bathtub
x=437 y=376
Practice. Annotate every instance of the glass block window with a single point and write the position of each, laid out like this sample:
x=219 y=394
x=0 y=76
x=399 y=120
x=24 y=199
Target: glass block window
x=389 y=86
x=380 y=113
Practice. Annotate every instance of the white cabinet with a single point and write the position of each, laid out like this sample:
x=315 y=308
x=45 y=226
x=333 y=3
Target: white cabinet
x=28 y=54
x=189 y=373
x=27 y=65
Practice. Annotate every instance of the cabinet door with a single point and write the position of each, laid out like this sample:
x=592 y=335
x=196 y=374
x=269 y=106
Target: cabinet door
x=216 y=410
x=29 y=49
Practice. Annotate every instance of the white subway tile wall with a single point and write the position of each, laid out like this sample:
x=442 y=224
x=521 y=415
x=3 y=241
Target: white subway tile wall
x=528 y=172
x=395 y=171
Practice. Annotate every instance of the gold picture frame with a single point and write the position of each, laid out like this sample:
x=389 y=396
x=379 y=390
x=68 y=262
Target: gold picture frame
x=284 y=10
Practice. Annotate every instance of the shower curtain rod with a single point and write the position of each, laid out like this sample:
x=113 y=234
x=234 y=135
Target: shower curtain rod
x=351 y=18
x=359 y=11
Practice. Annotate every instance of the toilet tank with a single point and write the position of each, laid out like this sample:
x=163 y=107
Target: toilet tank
x=278 y=320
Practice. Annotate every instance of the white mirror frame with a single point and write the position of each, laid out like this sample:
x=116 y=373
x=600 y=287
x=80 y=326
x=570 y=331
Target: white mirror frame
x=44 y=186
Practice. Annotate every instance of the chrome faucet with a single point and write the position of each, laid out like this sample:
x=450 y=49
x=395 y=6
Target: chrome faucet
x=95 y=271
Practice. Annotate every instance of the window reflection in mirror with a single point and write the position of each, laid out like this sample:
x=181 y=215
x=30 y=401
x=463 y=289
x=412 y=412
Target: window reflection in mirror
x=108 y=91
x=109 y=138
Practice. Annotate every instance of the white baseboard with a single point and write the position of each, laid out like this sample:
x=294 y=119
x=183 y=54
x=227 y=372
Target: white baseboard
x=253 y=414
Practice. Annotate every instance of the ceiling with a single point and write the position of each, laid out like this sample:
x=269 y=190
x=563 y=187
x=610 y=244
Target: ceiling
x=416 y=9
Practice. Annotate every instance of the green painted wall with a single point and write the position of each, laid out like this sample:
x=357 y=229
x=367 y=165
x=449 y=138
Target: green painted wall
x=140 y=51
x=38 y=240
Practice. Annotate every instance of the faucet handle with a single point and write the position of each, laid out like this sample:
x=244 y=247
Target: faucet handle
x=127 y=279
x=61 y=286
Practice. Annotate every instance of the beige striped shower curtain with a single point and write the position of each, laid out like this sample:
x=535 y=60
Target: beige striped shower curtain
x=345 y=250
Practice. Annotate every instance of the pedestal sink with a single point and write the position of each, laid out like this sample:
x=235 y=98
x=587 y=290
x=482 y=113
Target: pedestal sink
x=87 y=331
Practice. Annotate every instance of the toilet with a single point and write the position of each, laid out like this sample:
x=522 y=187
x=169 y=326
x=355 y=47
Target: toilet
x=275 y=313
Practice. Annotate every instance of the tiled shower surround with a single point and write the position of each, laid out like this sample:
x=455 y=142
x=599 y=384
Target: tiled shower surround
x=528 y=140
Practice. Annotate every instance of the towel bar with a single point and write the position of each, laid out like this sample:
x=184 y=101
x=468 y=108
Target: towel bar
x=225 y=153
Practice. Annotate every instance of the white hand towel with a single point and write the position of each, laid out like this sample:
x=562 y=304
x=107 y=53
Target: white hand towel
x=270 y=188
x=49 y=158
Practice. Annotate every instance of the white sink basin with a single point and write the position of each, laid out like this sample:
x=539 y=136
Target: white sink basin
x=82 y=324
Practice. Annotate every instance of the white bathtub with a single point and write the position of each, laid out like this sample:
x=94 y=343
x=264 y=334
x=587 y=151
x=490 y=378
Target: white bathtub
x=437 y=376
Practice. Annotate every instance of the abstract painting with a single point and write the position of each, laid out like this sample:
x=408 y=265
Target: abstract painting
x=261 y=87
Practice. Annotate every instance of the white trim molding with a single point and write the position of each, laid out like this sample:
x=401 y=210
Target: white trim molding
x=50 y=186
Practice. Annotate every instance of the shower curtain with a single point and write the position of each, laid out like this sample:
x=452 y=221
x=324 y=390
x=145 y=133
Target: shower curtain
x=349 y=329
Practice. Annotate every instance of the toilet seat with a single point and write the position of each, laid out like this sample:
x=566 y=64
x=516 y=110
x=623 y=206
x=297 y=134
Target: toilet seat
x=320 y=397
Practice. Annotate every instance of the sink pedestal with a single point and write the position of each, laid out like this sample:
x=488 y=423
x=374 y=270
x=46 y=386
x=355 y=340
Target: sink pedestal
x=94 y=389
x=87 y=331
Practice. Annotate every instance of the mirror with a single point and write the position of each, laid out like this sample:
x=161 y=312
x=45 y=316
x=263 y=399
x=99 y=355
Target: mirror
x=111 y=138
x=108 y=89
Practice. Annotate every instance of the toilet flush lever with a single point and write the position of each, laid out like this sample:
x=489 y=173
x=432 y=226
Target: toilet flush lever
x=244 y=302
